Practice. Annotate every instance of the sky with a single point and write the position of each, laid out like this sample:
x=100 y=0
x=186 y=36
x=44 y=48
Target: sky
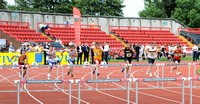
x=131 y=10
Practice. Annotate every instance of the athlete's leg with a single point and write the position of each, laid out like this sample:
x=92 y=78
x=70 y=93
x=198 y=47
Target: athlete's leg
x=127 y=67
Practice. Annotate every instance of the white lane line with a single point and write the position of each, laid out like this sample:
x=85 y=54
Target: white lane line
x=106 y=93
x=173 y=90
x=7 y=80
x=8 y=77
x=68 y=93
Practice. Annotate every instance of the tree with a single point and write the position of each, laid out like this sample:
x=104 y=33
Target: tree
x=186 y=11
x=87 y=7
x=3 y=4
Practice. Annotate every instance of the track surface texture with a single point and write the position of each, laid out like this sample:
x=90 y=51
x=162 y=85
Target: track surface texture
x=145 y=96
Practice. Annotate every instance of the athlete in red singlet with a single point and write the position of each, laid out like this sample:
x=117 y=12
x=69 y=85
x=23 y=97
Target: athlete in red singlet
x=177 y=58
x=23 y=60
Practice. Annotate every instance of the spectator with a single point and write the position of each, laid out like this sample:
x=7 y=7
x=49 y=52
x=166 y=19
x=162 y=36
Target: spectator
x=92 y=53
x=66 y=23
x=59 y=41
x=22 y=48
x=18 y=50
x=80 y=52
x=141 y=51
x=106 y=50
x=1 y=50
x=159 y=52
x=92 y=24
x=70 y=43
x=171 y=53
x=74 y=43
x=11 y=48
x=36 y=47
x=40 y=48
x=167 y=52
x=184 y=50
x=102 y=52
x=46 y=46
x=86 y=51
x=132 y=45
x=137 y=48
x=163 y=50
x=198 y=51
x=28 y=48
x=195 y=52
x=32 y=48
x=43 y=27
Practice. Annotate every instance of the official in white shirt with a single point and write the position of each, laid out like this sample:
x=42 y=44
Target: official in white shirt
x=106 y=51
x=195 y=52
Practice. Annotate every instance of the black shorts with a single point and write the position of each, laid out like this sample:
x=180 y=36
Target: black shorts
x=177 y=60
x=151 y=61
x=128 y=59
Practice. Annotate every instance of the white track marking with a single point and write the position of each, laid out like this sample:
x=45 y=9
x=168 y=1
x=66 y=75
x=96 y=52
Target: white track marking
x=8 y=77
x=143 y=92
x=8 y=80
x=31 y=94
x=173 y=90
x=104 y=92
x=68 y=93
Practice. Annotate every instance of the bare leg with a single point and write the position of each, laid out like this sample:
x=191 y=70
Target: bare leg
x=127 y=67
x=24 y=73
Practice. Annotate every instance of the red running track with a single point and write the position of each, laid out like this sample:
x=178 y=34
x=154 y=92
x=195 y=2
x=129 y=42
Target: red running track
x=150 y=96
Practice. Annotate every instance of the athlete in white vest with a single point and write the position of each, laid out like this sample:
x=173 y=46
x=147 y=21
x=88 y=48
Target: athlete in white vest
x=152 y=55
x=71 y=60
x=51 y=55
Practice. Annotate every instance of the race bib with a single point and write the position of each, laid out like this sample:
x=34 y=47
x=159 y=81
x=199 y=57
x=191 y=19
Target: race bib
x=96 y=54
x=152 y=54
x=128 y=55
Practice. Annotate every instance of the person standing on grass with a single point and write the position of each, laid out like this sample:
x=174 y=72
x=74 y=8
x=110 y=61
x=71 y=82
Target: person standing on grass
x=106 y=50
x=167 y=51
x=159 y=52
x=86 y=49
x=141 y=51
x=198 y=51
x=23 y=60
x=128 y=54
x=80 y=52
x=184 y=50
x=195 y=52
x=152 y=55
x=177 y=58
x=97 y=56
x=71 y=60
x=171 y=53
x=137 y=48
x=91 y=51
x=51 y=55
x=46 y=46
x=163 y=50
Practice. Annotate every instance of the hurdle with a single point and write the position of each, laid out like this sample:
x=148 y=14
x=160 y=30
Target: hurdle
x=18 y=82
x=103 y=81
x=137 y=80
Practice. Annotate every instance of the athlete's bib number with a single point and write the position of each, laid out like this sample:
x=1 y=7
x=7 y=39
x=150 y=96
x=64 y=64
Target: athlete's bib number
x=128 y=54
x=152 y=54
x=96 y=54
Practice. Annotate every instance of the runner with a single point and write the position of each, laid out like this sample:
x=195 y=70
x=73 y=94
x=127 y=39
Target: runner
x=23 y=60
x=128 y=54
x=177 y=58
x=51 y=55
x=97 y=56
x=72 y=55
x=152 y=54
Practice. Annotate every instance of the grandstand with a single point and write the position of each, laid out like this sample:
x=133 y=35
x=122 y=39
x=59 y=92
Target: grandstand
x=144 y=35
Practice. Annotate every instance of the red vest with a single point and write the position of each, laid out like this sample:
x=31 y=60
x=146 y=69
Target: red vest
x=177 y=54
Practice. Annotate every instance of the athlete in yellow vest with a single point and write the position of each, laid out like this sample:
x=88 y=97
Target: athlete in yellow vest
x=97 y=56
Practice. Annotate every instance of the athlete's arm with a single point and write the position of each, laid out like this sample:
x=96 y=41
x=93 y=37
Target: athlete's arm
x=156 y=54
x=133 y=50
x=65 y=50
x=15 y=56
x=120 y=51
x=43 y=50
